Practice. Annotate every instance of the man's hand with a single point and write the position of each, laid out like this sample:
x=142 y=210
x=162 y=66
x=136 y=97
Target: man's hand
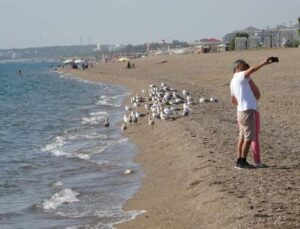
x=268 y=60
x=233 y=100
x=257 y=67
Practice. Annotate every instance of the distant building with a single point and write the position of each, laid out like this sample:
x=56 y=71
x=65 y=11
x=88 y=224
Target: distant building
x=241 y=43
x=253 y=42
x=268 y=41
x=164 y=48
x=207 y=45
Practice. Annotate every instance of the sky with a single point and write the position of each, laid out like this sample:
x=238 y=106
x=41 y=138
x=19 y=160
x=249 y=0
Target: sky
x=38 y=23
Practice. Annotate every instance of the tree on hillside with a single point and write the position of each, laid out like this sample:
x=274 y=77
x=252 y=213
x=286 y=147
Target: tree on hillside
x=299 y=26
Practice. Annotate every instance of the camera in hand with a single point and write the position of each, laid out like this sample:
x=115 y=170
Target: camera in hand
x=274 y=59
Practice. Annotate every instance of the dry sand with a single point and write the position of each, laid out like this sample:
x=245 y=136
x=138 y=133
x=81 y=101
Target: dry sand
x=190 y=180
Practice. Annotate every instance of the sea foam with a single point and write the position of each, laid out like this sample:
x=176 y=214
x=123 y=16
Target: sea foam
x=59 y=198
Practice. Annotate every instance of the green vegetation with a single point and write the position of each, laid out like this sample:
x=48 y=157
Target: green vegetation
x=299 y=25
x=47 y=52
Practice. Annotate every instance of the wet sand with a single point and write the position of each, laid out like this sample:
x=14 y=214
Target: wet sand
x=190 y=180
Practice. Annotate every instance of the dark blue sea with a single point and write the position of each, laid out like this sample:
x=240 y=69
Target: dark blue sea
x=59 y=166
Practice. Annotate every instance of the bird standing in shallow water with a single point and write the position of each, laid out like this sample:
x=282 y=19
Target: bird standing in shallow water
x=106 y=122
x=123 y=127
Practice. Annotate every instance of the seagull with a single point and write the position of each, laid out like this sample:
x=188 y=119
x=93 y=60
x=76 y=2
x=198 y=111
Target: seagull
x=184 y=92
x=150 y=121
x=168 y=111
x=136 y=104
x=213 y=100
x=138 y=98
x=186 y=110
x=162 y=115
x=132 y=99
x=139 y=115
x=127 y=172
x=189 y=100
x=202 y=100
x=127 y=108
x=134 y=118
x=127 y=119
x=123 y=127
x=179 y=100
x=147 y=106
x=106 y=122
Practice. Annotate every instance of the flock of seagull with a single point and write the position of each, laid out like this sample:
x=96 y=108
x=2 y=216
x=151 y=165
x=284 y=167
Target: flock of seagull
x=160 y=102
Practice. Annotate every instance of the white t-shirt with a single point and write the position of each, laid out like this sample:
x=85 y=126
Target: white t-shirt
x=241 y=90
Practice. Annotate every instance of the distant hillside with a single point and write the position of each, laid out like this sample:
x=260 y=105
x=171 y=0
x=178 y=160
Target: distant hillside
x=47 y=52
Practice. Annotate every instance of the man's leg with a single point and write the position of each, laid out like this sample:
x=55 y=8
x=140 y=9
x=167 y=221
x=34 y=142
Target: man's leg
x=245 y=149
x=239 y=149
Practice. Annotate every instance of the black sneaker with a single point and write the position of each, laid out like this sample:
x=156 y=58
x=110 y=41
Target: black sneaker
x=243 y=164
x=237 y=162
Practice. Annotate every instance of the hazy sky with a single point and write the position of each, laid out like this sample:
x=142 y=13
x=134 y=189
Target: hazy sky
x=31 y=23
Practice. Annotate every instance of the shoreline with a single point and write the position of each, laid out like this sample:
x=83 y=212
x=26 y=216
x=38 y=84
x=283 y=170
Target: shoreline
x=190 y=181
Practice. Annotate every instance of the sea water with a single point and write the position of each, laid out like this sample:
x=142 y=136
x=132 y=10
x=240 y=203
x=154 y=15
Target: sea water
x=60 y=167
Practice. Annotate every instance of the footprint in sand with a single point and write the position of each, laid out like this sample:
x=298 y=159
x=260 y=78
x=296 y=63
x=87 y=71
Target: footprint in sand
x=195 y=183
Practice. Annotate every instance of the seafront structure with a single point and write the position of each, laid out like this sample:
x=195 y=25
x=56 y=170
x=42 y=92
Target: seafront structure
x=207 y=45
x=279 y=37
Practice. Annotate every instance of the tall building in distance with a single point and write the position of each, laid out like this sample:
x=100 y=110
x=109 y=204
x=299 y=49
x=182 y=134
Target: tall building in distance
x=241 y=43
x=253 y=42
x=280 y=36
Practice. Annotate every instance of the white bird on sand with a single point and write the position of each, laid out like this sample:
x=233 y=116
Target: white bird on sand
x=132 y=100
x=128 y=108
x=186 y=110
x=213 y=100
x=184 y=92
x=203 y=100
x=179 y=100
x=150 y=121
x=139 y=115
x=134 y=117
x=136 y=104
x=168 y=111
x=138 y=98
x=147 y=106
x=127 y=119
x=190 y=100
x=156 y=114
x=162 y=116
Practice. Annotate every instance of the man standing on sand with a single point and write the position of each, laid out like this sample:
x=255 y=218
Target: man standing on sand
x=244 y=97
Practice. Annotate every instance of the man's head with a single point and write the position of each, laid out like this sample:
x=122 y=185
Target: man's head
x=240 y=65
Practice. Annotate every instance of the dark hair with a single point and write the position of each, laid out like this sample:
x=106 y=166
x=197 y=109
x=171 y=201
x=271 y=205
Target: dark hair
x=238 y=63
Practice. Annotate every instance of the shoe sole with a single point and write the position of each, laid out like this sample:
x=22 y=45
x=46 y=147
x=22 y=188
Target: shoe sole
x=236 y=167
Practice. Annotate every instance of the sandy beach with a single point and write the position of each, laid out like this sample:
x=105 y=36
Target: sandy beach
x=190 y=180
